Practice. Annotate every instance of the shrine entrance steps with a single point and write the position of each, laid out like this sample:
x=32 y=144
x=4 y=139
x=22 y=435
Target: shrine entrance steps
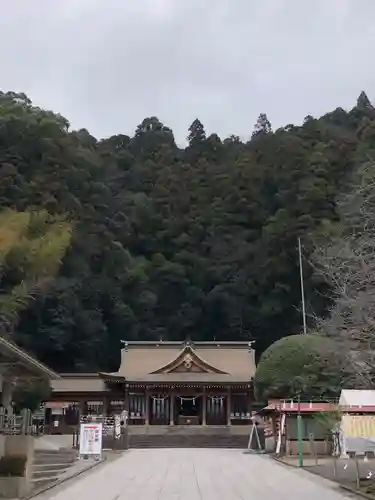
x=49 y=465
x=188 y=436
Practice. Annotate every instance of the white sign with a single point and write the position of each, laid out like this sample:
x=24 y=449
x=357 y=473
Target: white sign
x=124 y=417
x=117 y=427
x=90 y=439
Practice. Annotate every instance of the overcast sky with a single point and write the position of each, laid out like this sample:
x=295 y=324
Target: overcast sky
x=107 y=64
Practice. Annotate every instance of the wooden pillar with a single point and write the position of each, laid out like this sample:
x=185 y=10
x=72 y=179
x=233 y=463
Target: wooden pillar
x=171 y=408
x=126 y=400
x=82 y=408
x=106 y=406
x=204 y=407
x=229 y=405
x=147 y=407
x=6 y=393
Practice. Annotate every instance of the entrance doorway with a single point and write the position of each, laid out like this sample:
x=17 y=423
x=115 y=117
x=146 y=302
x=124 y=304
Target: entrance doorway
x=188 y=410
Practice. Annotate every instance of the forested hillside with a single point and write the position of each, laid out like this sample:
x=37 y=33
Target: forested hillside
x=171 y=243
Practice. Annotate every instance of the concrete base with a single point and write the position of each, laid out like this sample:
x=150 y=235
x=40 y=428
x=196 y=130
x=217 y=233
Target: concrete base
x=13 y=487
x=2 y=445
x=320 y=448
x=15 y=446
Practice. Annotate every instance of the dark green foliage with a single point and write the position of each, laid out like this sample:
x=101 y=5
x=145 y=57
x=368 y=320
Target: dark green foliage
x=30 y=393
x=363 y=101
x=262 y=126
x=173 y=243
x=12 y=466
x=299 y=365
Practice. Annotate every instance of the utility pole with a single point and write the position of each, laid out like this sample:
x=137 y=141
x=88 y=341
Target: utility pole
x=302 y=287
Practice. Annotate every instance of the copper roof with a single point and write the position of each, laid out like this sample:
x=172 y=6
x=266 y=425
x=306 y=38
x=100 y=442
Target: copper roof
x=231 y=362
x=17 y=355
x=78 y=382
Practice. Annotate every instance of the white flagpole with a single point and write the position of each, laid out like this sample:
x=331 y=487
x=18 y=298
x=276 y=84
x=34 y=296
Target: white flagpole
x=302 y=287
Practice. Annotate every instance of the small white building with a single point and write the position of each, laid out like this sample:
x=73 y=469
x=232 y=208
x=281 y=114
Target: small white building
x=353 y=398
x=357 y=427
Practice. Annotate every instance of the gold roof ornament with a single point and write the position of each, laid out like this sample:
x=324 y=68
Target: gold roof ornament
x=188 y=361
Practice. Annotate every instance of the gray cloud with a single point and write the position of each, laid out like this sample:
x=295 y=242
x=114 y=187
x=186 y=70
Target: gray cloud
x=107 y=65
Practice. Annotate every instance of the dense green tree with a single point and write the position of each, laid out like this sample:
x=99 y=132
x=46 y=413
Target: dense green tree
x=32 y=246
x=30 y=393
x=169 y=242
x=300 y=365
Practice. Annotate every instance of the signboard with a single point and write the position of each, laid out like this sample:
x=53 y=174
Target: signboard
x=90 y=440
x=124 y=417
x=357 y=434
x=60 y=405
x=117 y=427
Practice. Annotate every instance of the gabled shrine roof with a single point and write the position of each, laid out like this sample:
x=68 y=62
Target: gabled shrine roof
x=185 y=362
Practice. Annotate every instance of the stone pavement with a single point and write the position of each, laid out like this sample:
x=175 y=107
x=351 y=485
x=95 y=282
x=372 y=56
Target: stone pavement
x=192 y=474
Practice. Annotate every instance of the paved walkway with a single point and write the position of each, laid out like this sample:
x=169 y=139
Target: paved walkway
x=192 y=474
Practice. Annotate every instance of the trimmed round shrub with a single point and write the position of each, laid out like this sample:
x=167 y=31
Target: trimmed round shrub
x=305 y=365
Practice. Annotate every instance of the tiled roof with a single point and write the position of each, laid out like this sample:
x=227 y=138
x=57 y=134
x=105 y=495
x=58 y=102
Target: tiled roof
x=220 y=363
x=183 y=377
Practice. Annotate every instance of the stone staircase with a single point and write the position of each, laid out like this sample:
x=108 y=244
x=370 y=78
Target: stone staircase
x=176 y=441
x=189 y=437
x=50 y=465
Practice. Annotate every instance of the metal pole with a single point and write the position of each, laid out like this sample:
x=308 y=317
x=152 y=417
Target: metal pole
x=302 y=287
x=299 y=434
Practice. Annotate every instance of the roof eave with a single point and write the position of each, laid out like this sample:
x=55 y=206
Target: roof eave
x=215 y=343
x=174 y=381
x=28 y=360
x=112 y=377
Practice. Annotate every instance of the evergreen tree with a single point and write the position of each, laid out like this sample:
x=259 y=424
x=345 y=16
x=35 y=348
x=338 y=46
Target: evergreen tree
x=262 y=126
x=363 y=101
x=197 y=134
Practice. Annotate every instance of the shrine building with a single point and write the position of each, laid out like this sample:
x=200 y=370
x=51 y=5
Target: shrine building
x=163 y=383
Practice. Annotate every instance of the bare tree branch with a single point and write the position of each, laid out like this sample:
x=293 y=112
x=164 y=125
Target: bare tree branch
x=345 y=257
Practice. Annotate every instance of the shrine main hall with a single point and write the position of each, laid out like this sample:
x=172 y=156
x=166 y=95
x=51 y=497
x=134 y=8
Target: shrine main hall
x=163 y=383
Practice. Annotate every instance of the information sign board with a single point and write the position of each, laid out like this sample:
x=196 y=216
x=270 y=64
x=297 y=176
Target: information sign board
x=90 y=439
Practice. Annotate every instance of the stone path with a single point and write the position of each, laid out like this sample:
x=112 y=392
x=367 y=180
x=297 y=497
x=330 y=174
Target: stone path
x=192 y=474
